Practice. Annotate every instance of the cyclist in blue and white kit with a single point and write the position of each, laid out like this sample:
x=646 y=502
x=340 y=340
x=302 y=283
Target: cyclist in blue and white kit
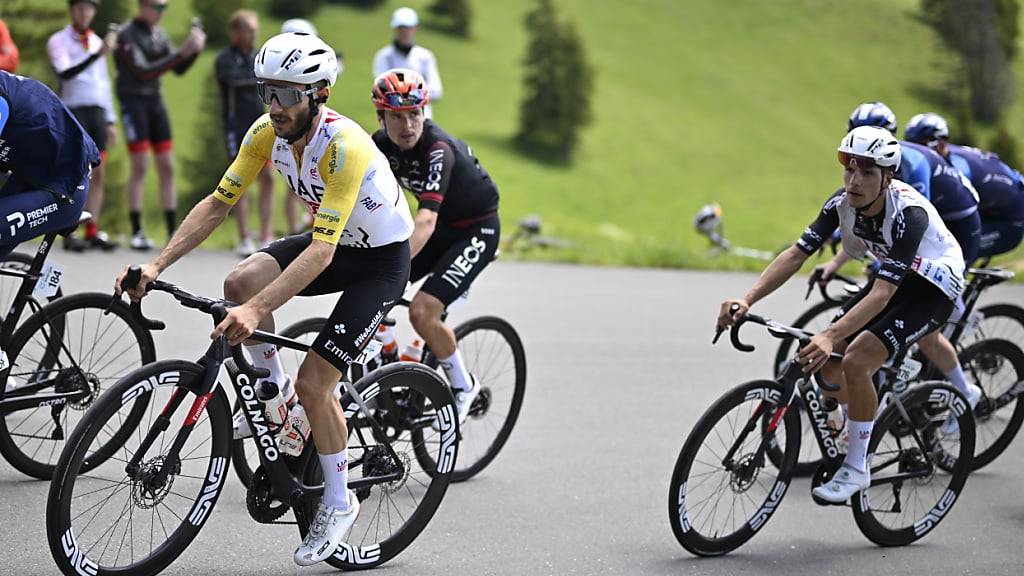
x=45 y=161
x=1000 y=188
x=952 y=195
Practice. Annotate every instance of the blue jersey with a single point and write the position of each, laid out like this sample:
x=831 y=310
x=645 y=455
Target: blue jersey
x=1000 y=188
x=932 y=176
x=42 y=145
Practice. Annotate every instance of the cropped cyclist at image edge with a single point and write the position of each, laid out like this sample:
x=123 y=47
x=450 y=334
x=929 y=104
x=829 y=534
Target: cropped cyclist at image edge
x=45 y=161
x=913 y=292
x=359 y=247
x=1000 y=187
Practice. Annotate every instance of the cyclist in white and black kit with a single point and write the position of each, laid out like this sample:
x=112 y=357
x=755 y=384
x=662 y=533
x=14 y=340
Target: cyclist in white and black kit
x=913 y=293
x=457 y=225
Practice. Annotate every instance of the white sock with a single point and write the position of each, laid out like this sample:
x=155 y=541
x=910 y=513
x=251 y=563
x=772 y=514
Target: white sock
x=335 y=468
x=456 y=372
x=956 y=376
x=846 y=409
x=860 y=436
x=267 y=356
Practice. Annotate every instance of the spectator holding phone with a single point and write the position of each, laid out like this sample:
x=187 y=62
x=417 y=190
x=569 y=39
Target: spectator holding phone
x=144 y=54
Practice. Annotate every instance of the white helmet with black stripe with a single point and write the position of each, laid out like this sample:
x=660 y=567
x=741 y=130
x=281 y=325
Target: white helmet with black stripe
x=299 y=58
x=872 y=142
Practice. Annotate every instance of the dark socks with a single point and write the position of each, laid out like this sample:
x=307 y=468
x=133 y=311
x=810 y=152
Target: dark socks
x=136 y=218
x=169 y=218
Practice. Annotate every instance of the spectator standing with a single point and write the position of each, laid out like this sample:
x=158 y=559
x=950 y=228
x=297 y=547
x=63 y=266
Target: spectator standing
x=78 y=57
x=241 y=107
x=404 y=53
x=145 y=53
x=8 y=50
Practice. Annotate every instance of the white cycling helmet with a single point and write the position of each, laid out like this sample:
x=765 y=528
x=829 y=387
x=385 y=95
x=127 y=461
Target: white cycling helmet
x=300 y=25
x=872 y=114
x=298 y=58
x=877 y=144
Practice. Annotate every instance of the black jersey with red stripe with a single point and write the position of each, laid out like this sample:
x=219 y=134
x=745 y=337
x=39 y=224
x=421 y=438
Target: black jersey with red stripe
x=443 y=174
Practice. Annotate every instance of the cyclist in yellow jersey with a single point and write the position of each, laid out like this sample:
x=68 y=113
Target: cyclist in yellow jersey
x=358 y=245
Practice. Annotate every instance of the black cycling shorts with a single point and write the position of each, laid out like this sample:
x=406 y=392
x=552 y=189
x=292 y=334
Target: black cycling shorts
x=371 y=281
x=454 y=257
x=94 y=121
x=915 y=309
x=146 y=124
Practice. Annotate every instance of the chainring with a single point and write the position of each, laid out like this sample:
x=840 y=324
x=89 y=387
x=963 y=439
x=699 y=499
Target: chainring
x=260 y=501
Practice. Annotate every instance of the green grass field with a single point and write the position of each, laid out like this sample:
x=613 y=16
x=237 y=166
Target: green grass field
x=739 y=102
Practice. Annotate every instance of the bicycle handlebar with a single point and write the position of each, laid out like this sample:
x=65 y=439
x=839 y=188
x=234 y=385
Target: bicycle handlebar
x=218 y=309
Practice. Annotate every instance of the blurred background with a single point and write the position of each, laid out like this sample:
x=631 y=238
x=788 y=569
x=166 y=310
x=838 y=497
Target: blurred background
x=616 y=120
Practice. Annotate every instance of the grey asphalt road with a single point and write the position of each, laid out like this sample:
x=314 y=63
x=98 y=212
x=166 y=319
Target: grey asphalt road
x=620 y=368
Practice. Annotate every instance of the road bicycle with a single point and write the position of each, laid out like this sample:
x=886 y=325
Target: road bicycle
x=725 y=488
x=59 y=358
x=988 y=346
x=139 y=510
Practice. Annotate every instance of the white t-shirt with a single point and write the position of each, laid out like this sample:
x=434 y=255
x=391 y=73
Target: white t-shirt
x=90 y=87
x=419 y=59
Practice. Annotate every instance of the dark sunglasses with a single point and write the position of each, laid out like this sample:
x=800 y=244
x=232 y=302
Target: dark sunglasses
x=286 y=96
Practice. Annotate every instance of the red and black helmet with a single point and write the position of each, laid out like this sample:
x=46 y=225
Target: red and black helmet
x=400 y=89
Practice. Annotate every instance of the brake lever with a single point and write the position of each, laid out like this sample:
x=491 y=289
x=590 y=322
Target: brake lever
x=131 y=279
x=814 y=279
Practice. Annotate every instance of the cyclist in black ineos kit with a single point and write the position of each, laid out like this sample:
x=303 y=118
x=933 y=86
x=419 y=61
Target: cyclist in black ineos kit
x=457 y=224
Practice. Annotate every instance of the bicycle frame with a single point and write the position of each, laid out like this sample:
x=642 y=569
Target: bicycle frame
x=793 y=381
x=243 y=377
x=28 y=284
x=24 y=397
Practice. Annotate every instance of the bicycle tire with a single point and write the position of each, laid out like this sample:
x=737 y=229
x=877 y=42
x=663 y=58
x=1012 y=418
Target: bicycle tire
x=472 y=429
x=927 y=404
x=395 y=379
x=687 y=529
x=33 y=355
x=988 y=358
x=994 y=314
x=69 y=529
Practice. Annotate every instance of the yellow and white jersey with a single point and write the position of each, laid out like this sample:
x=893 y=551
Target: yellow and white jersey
x=342 y=176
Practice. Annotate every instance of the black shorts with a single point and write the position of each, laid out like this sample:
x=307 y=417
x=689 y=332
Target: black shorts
x=454 y=257
x=371 y=280
x=94 y=121
x=146 y=124
x=915 y=309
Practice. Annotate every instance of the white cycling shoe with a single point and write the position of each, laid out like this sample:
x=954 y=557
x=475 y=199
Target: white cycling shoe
x=463 y=402
x=328 y=529
x=951 y=427
x=847 y=482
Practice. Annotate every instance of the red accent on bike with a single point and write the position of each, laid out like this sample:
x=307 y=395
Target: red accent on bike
x=171 y=400
x=197 y=408
x=777 y=418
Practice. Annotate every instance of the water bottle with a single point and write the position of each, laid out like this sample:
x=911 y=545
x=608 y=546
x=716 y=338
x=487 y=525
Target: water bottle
x=292 y=439
x=386 y=336
x=274 y=405
x=413 y=352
